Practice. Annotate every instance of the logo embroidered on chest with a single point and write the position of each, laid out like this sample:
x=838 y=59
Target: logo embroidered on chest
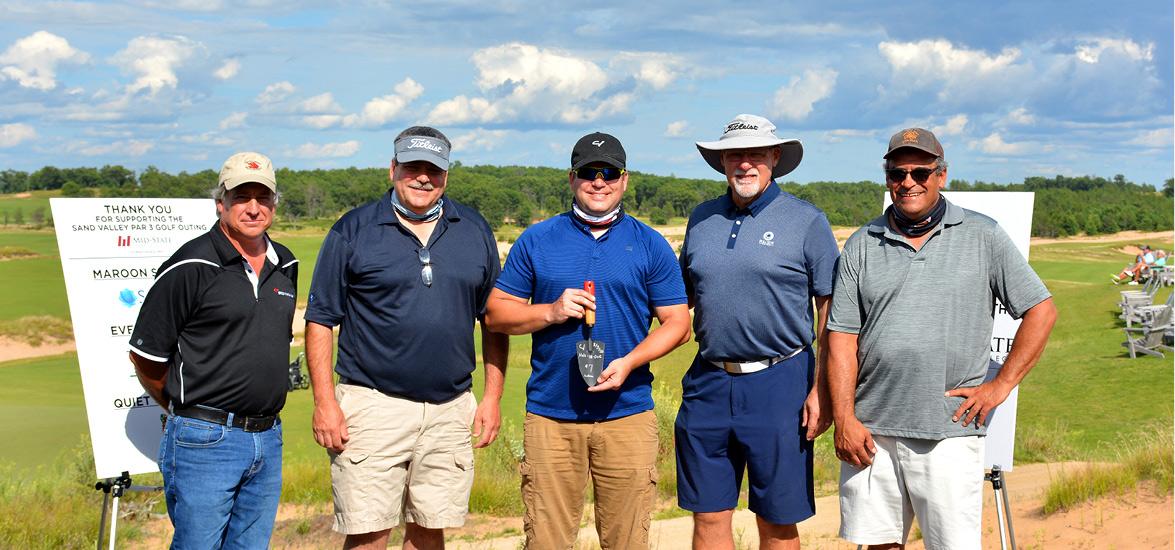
x=768 y=239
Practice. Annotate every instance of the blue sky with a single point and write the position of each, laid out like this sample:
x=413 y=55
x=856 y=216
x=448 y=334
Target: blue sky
x=1013 y=89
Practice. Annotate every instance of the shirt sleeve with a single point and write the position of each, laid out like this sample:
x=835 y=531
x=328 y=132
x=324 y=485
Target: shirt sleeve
x=846 y=314
x=493 y=271
x=1012 y=280
x=165 y=311
x=328 y=286
x=821 y=255
x=683 y=262
x=665 y=285
x=517 y=277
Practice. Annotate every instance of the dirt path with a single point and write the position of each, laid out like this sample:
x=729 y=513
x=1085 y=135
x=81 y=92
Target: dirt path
x=1139 y=520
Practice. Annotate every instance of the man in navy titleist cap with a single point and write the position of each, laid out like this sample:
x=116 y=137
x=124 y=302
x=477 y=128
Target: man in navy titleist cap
x=406 y=277
x=754 y=261
x=909 y=344
x=605 y=430
x=212 y=346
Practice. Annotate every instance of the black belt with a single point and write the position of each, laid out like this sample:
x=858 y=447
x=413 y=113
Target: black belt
x=217 y=416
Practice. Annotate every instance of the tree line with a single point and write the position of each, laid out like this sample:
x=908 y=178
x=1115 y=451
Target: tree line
x=1065 y=205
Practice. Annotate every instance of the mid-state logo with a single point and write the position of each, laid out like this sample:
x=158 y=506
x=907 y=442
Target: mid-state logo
x=124 y=240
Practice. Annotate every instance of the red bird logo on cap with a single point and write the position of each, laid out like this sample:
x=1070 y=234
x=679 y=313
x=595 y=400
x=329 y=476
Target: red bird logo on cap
x=252 y=165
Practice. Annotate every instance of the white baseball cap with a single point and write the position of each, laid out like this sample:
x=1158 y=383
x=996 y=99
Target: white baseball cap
x=248 y=167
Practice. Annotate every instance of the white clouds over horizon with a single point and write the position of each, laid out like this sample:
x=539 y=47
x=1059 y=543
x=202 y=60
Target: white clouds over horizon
x=676 y=128
x=229 y=69
x=794 y=100
x=14 y=134
x=32 y=61
x=326 y=150
x=155 y=61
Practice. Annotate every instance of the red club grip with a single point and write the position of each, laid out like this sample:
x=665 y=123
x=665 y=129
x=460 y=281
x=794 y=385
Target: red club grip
x=589 y=316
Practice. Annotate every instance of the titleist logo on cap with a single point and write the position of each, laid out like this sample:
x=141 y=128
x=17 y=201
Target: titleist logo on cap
x=739 y=126
x=418 y=143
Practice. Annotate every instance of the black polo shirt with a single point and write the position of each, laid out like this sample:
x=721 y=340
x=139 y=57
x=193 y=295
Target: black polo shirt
x=398 y=335
x=226 y=340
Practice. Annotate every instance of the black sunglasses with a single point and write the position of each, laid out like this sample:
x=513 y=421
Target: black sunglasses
x=920 y=175
x=426 y=267
x=606 y=173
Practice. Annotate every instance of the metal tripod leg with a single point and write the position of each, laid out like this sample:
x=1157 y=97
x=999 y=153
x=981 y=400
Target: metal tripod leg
x=1002 y=507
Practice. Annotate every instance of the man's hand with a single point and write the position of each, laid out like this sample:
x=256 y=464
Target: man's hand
x=486 y=422
x=854 y=443
x=817 y=415
x=613 y=377
x=980 y=401
x=330 y=426
x=570 y=305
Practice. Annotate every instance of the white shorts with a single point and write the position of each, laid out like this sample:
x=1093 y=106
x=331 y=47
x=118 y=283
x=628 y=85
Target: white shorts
x=940 y=482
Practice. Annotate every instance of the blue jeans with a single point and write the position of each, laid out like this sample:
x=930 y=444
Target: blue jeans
x=221 y=484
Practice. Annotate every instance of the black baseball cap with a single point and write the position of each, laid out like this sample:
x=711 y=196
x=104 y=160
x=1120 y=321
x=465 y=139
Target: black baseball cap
x=597 y=147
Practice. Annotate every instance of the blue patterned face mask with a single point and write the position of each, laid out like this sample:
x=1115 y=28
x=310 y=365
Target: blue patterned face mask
x=432 y=214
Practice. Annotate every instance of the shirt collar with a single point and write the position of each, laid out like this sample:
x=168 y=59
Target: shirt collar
x=769 y=194
x=880 y=225
x=587 y=229
x=387 y=212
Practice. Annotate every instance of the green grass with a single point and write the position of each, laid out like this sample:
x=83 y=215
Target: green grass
x=1141 y=458
x=11 y=203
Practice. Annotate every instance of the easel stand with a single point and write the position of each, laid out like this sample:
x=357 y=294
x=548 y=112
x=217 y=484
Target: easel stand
x=115 y=486
x=1003 y=510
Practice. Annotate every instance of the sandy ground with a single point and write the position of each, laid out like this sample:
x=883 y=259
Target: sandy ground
x=1139 y=520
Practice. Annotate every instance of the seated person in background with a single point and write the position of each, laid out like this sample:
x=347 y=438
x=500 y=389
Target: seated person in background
x=1145 y=259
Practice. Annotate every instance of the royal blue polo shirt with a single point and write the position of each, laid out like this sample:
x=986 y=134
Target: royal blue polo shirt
x=634 y=271
x=399 y=336
x=752 y=273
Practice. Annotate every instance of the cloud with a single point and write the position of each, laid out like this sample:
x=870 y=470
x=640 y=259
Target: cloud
x=381 y=110
x=1019 y=116
x=332 y=150
x=479 y=139
x=522 y=83
x=658 y=70
x=233 y=120
x=839 y=135
x=230 y=69
x=155 y=60
x=276 y=93
x=319 y=122
x=994 y=144
x=1158 y=138
x=794 y=100
x=1091 y=52
x=321 y=103
x=954 y=126
x=676 y=128
x=127 y=148
x=32 y=61
x=957 y=73
x=14 y=134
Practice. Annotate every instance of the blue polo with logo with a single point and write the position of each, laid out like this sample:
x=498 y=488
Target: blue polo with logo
x=398 y=335
x=752 y=273
x=634 y=271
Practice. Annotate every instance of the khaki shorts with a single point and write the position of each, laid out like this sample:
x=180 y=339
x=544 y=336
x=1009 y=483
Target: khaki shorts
x=404 y=460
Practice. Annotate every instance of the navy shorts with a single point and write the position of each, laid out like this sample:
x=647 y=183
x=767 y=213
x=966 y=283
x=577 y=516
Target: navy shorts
x=731 y=422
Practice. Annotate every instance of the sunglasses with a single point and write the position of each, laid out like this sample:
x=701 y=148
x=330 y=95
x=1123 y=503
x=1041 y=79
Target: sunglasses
x=606 y=173
x=920 y=175
x=425 y=267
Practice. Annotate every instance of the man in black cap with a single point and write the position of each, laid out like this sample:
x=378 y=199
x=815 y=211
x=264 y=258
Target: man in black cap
x=604 y=428
x=212 y=346
x=406 y=277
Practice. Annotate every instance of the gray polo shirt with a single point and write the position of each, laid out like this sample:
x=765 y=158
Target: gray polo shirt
x=924 y=318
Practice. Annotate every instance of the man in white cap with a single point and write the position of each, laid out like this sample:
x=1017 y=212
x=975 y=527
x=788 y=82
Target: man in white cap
x=406 y=277
x=211 y=346
x=754 y=261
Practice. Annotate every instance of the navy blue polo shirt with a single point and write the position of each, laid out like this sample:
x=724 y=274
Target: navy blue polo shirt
x=752 y=273
x=634 y=271
x=398 y=335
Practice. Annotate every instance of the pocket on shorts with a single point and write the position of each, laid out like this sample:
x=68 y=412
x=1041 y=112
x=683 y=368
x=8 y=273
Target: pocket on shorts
x=197 y=433
x=526 y=472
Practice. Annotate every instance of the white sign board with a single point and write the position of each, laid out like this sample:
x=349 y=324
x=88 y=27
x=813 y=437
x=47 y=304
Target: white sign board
x=110 y=250
x=1013 y=211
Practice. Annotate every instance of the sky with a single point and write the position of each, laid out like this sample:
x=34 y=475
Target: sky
x=1012 y=89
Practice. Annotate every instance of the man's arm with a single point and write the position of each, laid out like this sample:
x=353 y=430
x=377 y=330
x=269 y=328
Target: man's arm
x=817 y=407
x=152 y=376
x=674 y=330
x=1027 y=346
x=330 y=426
x=853 y=442
x=495 y=349
x=509 y=314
